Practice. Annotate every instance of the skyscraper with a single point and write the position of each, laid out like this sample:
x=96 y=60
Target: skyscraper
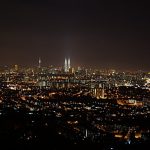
x=67 y=65
x=16 y=67
x=39 y=63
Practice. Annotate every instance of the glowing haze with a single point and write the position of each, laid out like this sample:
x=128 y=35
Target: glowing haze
x=91 y=33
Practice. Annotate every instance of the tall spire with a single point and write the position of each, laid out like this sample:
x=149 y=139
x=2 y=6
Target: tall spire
x=65 y=65
x=69 y=64
x=39 y=62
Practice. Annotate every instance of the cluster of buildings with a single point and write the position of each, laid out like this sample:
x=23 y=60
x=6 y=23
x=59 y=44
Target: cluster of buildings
x=101 y=84
x=90 y=104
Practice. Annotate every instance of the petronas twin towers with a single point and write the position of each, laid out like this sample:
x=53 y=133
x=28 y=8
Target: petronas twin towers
x=67 y=65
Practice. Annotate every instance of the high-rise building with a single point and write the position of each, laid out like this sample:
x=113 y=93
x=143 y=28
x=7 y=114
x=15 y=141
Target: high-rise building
x=39 y=63
x=99 y=93
x=67 y=65
x=16 y=67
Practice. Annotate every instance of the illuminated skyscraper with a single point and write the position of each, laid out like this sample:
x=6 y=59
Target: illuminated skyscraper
x=65 y=65
x=69 y=64
x=39 y=62
x=16 y=67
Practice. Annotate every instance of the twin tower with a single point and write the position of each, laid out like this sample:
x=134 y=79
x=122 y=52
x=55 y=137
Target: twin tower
x=67 y=65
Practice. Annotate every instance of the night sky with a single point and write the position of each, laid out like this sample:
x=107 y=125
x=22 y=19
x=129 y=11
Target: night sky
x=92 y=33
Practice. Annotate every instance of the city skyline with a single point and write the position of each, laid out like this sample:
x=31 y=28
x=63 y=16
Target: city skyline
x=66 y=64
x=101 y=35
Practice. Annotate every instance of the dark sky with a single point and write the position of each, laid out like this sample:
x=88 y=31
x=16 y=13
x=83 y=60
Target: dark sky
x=92 y=33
